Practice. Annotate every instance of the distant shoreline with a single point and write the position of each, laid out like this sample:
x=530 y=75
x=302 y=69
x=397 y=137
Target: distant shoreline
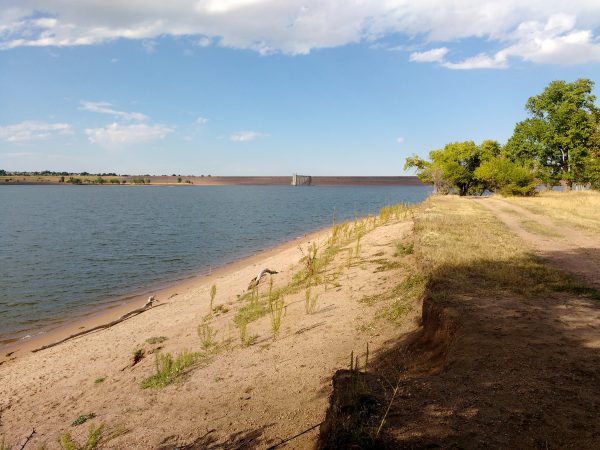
x=216 y=180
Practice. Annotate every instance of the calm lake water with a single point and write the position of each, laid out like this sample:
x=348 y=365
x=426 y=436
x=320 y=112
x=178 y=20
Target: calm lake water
x=65 y=248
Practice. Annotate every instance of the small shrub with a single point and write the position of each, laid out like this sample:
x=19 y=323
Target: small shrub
x=403 y=249
x=310 y=302
x=276 y=309
x=169 y=369
x=213 y=293
x=243 y=329
x=156 y=340
x=96 y=436
x=99 y=380
x=83 y=419
x=207 y=336
x=220 y=309
x=4 y=445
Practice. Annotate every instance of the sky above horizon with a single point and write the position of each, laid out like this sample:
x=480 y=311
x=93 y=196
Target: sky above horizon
x=264 y=87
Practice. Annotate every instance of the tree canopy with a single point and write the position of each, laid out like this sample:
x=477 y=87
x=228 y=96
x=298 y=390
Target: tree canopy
x=559 y=142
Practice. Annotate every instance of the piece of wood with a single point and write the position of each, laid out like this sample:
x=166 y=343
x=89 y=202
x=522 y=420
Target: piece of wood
x=254 y=281
x=129 y=315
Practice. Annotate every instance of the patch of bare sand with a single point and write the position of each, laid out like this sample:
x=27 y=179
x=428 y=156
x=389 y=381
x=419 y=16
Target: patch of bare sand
x=243 y=397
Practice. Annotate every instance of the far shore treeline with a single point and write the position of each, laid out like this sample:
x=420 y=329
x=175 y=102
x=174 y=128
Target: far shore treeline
x=558 y=144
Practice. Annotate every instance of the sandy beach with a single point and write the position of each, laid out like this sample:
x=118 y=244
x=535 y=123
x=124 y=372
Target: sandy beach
x=251 y=394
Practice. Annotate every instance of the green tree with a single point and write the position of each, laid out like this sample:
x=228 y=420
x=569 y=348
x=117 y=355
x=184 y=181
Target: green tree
x=454 y=166
x=507 y=177
x=556 y=141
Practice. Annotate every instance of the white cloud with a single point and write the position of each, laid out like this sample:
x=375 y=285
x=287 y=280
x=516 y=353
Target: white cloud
x=481 y=61
x=433 y=55
x=539 y=31
x=33 y=131
x=204 y=42
x=106 y=108
x=116 y=134
x=245 y=136
x=201 y=120
x=149 y=46
x=400 y=140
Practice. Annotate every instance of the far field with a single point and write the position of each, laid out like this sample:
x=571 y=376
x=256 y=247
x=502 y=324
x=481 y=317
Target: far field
x=205 y=180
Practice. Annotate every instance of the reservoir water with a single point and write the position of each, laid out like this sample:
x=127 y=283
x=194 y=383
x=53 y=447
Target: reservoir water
x=65 y=248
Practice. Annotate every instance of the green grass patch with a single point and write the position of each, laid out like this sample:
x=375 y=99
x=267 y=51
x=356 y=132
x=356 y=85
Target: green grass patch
x=404 y=248
x=170 y=369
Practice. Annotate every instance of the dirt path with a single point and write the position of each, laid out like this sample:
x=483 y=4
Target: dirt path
x=564 y=248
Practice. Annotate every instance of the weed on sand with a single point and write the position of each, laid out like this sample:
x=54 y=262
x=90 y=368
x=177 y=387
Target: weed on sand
x=169 y=369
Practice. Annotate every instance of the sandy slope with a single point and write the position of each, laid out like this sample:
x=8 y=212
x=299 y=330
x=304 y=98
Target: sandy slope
x=244 y=397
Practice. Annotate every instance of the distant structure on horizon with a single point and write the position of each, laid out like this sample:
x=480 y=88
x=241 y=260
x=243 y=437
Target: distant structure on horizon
x=301 y=180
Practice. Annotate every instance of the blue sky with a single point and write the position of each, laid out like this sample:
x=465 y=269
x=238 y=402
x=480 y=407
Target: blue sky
x=257 y=87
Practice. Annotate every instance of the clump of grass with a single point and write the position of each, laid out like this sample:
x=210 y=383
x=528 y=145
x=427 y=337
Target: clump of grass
x=4 y=445
x=243 y=330
x=220 y=309
x=169 y=369
x=310 y=302
x=213 y=294
x=207 y=337
x=388 y=213
x=404 y=248
x=97 y=437
x=276 y=309
x=156 y=340
x=385 y=265
x=93 y=441
x=82 y=419
x=99 y=380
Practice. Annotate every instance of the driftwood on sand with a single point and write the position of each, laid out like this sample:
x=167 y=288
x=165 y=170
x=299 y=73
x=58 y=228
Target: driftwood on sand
x=254 y=281
x=149 y=304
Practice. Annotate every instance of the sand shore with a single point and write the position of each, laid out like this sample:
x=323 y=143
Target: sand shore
x=249 y=394
x=113 y=310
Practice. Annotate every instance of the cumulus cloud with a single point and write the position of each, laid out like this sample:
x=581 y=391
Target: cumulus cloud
x=539 y=31
x=201 y=120
x=33 y=131
x=106 y=108
x=245 y=136
x=116 y=134
x=400 y=140
x=433 y=55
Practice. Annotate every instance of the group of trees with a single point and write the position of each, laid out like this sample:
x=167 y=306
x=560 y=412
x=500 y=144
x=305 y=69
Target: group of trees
x=558 y=143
